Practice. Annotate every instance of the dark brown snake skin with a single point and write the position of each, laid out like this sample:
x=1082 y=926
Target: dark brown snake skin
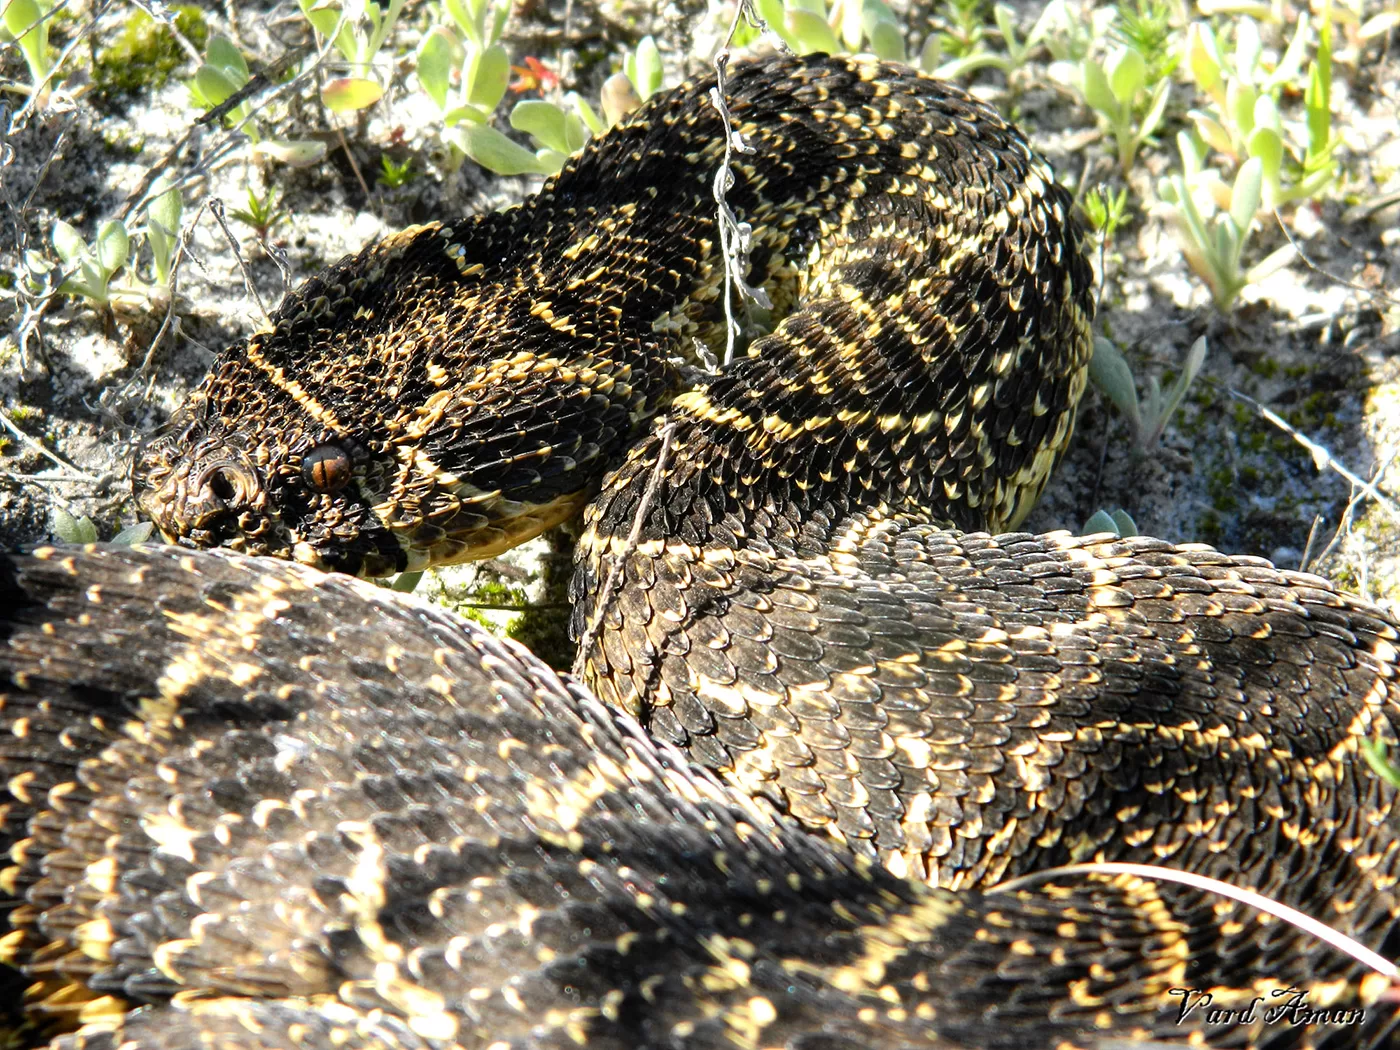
x=291 y=809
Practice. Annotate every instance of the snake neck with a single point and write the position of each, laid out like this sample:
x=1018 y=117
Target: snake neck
x=930 y=370
x=927 y=381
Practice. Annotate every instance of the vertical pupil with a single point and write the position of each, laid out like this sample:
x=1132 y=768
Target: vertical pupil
x=327 y=468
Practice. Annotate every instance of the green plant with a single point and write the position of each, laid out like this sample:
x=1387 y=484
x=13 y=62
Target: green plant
x=1213 y=222
x=1146 y=28
x=1105 y=211
x=90 y=268
x=1244 y=120
x=1377 y=756
x=73 y=530
x=28 y=22
x=146 y=53
x=219 y=77
x=394 y=175
x=357 y=29
x=1109 y=371
x=83 y=531
x=262 y=212
x=808 y=25
x=1017 y=50
x=163 y=228
x=1128 y=104
x=555 y=130
x=1118 y=521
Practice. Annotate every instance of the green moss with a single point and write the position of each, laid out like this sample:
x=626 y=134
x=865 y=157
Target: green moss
x=1265 y=366
x=146 y=54
x=1210 y=528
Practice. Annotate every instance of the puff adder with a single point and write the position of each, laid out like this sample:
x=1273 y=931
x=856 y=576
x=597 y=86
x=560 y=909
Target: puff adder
x=822 y=723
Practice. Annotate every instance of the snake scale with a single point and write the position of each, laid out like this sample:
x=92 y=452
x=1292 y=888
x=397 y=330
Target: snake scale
x=252 y=803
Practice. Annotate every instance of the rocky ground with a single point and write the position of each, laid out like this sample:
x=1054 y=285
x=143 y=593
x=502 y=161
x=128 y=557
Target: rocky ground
x=1317 y=345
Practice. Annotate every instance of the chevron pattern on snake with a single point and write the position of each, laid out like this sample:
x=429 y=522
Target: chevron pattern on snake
x=800 y=616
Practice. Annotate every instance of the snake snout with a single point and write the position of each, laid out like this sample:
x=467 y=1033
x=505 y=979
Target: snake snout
x=204 y=497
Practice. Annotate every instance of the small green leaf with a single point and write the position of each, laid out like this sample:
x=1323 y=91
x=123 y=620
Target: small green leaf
x=1203 y=57
x=550 y=160
x=25 y=21
x=1155 y=111
x=73 y=530
x=591 y=120
x=435 y=60
x=544 y=121
x=1101 y=521
x=138 y=533
x=1292 y=61
x=1245 y=197
x=810 y=33
x=348 y=94
x=405 y=582
x=474 y=114
x=112 y=246
x=931 y=57
x=294 y=153
x=1127 y=74
x=69 y=242
x=213 y=85
x=887 y=41
x=1375 y=753
x=322 y=14
x=1126 y=525
x=644 y=68
x=165 y=206
x=223 y=54
x=1109 y=371
x=485 y=76
x=1212 y=131
x=1097 y=91
x=467 y=20
x=1248 y=48
x=883 y=30
x=770 y=12
x=1239 y=102
x=493 y=151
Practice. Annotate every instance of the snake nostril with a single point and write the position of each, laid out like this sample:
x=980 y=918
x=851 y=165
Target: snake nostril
x=222 y=486
x=227 y=484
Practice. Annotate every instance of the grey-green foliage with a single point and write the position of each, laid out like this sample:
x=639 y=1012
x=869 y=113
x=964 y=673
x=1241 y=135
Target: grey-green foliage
x=70 y=529
x=1109 y=371
x=1117 y=521
x=1129 y=106
x=163 y=227
x=357 y=31
x=90 y=267
x=27 y=22
x=223 y=73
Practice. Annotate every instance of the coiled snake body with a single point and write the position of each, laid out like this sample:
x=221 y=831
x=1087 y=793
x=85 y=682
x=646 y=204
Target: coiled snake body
x=823 y=725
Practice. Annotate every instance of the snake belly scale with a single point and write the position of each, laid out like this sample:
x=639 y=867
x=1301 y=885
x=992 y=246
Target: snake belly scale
x=822 y=722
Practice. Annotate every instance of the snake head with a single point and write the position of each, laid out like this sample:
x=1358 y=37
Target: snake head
x=207 y=481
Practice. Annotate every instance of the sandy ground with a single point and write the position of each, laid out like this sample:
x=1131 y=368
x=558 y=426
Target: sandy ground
x=1318 y=345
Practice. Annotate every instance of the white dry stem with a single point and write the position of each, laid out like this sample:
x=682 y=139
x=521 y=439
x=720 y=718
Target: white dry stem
x=609 y=589
x=1306 y=923
x=735 y=237
x=1322 y=458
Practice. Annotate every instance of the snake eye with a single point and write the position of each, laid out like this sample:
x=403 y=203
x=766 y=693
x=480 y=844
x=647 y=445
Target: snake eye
x=326 y=468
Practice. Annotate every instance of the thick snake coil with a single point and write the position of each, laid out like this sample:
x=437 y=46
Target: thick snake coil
x=292 y=809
